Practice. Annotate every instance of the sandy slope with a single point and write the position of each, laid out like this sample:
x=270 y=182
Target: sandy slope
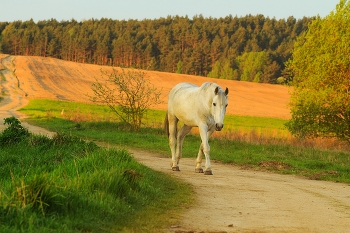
x=232 y=200
x=52 y=78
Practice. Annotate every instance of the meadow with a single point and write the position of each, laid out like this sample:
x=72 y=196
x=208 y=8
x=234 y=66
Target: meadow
x=250 y=142
x=80 y=112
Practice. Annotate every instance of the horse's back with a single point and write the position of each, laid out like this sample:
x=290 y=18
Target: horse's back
x=182 y=87
x=182 y=103
x=180 y=93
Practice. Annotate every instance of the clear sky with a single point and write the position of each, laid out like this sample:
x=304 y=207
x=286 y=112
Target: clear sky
x=11 y=10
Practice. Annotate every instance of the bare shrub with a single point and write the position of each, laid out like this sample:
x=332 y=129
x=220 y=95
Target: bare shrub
x=128 y=93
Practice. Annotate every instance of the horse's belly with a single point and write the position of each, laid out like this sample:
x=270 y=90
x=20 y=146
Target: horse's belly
x=187 y=119
x=194 y=119
x=189 y=122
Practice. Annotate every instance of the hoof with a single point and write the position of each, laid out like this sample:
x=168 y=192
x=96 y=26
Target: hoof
x=177 y=169
x=208 y=172
x=199 y=170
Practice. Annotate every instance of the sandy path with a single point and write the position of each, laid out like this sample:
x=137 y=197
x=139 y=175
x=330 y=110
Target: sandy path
x=15 y=97
x=233 y=199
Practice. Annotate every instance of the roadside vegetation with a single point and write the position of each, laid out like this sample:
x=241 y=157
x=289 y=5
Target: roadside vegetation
x=253 y=150
x=66 y=184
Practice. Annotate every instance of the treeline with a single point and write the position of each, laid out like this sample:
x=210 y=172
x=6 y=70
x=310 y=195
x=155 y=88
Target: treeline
x=251 y=48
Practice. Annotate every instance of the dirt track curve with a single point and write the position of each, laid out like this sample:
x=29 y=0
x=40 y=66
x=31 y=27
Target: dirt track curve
x=233 y=199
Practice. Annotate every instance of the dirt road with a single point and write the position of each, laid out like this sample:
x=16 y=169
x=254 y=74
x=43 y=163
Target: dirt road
x=233 y=199
x=236 y=200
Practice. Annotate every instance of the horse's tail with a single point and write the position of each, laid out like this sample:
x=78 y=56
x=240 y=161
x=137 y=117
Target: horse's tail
x=166 y=124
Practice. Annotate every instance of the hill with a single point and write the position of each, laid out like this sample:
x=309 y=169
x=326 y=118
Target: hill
x=42 y=77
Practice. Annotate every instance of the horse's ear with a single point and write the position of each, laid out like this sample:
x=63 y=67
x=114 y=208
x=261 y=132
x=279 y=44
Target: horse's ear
x=226 y=91
x=216 y=90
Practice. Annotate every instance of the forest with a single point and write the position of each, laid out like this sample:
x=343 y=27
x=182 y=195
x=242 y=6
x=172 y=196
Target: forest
x=249 y=48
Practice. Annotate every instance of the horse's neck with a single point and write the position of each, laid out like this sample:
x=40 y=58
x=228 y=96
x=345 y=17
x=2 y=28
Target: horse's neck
x=205 y=99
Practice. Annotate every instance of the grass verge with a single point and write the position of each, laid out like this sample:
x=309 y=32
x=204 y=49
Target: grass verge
x=66 y=184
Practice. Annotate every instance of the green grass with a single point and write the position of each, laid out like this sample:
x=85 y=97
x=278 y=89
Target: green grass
x=89 y=112
x=79 y=112
x=254 y=122
x=65 y=184
x=281 y=158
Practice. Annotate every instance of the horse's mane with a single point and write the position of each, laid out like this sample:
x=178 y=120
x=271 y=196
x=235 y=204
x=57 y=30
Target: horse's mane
x=208 y=85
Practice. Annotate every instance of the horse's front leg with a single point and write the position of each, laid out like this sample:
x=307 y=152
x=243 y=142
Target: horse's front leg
x=199 y=168
x=204 y=149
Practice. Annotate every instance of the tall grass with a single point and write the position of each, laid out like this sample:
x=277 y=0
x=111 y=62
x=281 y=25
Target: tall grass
x=65 y=184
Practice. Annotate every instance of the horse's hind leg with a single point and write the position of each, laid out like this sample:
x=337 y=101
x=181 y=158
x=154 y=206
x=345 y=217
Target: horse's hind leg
x=172 y=120
x=180 y=138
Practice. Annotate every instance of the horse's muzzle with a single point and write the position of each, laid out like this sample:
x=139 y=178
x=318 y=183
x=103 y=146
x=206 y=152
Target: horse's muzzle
x=218 y=127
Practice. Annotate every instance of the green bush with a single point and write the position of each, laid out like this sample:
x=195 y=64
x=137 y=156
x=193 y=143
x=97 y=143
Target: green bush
x=14 y=132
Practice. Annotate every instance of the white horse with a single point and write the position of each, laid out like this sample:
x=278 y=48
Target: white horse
x=203 y=107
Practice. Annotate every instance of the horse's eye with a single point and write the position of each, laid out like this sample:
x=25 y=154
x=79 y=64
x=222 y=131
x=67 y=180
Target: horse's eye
x=214 y=104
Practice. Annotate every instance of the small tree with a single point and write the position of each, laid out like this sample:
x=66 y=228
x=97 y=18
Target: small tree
x=251 y=65
x=179 y=67
x=227 y=71
x=320 y=66
x=128 y=94
x=215 y=72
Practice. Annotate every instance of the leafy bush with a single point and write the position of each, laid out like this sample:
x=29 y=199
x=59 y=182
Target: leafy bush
x=320 y=101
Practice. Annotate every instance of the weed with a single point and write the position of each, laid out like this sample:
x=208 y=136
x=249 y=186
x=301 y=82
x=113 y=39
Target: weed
x=39 y=194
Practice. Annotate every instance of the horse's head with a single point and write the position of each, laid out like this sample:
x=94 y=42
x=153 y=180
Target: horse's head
x=218 y=107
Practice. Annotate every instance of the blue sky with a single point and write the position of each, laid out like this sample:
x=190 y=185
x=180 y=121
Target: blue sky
x=12 y=10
